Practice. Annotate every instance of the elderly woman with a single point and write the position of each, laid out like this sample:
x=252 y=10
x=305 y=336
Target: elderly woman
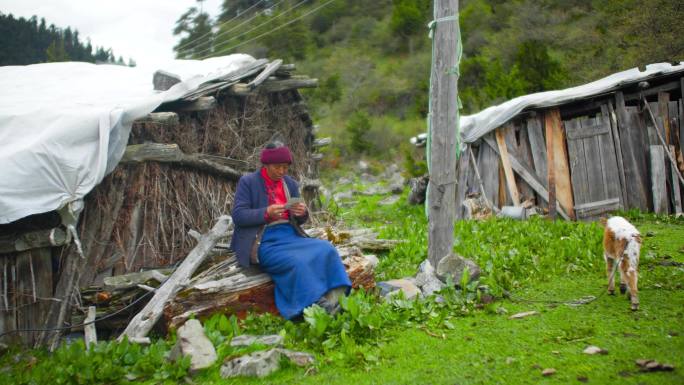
x=267 y=231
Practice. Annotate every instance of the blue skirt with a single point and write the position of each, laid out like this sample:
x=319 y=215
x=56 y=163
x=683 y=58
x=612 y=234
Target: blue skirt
x=303 y=269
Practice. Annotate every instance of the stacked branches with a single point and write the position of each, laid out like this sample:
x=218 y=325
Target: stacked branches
x=140 y=215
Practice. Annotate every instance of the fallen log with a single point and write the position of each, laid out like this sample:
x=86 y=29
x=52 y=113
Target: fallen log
x=143 y=322
x=230 y=289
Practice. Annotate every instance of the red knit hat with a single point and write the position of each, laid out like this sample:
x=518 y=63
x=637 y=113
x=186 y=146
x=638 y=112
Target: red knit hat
x=276 y=155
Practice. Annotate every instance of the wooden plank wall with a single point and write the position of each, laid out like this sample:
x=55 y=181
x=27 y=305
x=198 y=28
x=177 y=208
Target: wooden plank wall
x=605 y=157
x=25 y=292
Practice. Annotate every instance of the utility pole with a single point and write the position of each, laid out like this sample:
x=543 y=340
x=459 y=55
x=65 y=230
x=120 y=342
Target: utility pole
x=443 y=120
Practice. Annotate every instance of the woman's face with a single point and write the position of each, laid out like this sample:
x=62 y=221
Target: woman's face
x=277 y=171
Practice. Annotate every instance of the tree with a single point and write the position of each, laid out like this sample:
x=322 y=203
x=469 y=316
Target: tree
x=56 y=52
x=358 y=126
x=198 y=41
x=537 y=69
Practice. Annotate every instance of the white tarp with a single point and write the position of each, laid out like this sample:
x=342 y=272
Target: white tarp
x=64 y=126
x=475 y=126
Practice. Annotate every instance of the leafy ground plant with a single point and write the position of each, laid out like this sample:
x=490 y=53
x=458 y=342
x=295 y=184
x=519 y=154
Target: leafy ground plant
x=539 y=264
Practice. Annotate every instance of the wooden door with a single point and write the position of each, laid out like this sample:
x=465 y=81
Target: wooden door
x=593 y=166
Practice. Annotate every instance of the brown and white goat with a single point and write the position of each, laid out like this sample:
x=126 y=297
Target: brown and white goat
x=622 y=245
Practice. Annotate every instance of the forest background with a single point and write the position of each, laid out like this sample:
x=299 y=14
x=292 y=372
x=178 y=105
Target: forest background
x=373 y=57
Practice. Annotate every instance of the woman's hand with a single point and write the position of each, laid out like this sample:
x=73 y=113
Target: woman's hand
x=275 y=211
x=298 y=209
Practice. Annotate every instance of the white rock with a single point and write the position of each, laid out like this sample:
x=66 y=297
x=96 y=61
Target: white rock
x=257 y=364
x=591 y=350
x=409 y=289
x=192 y=342
x=246 y=340
x=372 y=260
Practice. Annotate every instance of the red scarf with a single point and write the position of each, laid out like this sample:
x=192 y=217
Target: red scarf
x=275 y=193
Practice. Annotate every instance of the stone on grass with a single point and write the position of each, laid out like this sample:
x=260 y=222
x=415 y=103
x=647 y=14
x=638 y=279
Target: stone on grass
x=548 y=372
x=372 y=260
x=395 y=286
x=426 y=279
x=246 y=340
x=298 y=358
x=257 y=364
x=263 y=363
x=343 y=195
x=453 y=265
x=591 y=350
x=194 y=343
x=396 y=183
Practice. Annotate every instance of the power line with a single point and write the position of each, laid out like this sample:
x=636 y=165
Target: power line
x=203 y=51
x=183 y=46
x=221 y=51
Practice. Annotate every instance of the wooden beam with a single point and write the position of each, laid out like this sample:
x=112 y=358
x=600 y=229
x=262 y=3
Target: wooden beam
x=204 y=103
x=171 y=153
x=268 y=71
x=550 y=164
x=669 y=86
x=274 y=85
x=593 y=209
x=143 y=322
x=528 y=176
x=32 y=240
x=165 y=118
x=510 y=179
x=443 y=120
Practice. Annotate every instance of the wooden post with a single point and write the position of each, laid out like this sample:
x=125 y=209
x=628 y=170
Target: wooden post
x=550 y=165
x=89 y=330
x=443 y=120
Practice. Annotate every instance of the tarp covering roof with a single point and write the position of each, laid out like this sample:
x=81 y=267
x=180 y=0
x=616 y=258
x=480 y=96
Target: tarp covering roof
x=475 y=126
x=64 y=126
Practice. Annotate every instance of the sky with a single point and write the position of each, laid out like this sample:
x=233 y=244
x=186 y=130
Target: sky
x=137 y=29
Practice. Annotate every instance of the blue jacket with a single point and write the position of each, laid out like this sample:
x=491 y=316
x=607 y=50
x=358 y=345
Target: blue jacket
x=249 y=209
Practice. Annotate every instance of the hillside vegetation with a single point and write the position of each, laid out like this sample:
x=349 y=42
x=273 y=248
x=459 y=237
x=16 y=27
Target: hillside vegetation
x=373 y=58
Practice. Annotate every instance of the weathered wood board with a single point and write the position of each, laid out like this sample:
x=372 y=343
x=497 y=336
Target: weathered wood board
x=537 y=148
x=633 y=142
x=488 y=162
x=658 y=179
x=561 y=168
x=608 y=110
x=26 y=284
x=518 y=146
x=508 y=172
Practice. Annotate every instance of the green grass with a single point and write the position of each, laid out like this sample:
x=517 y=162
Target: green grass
x=458 y=342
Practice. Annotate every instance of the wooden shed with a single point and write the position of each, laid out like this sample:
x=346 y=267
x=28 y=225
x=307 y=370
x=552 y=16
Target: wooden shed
x=179 y=173
x=592 y=155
